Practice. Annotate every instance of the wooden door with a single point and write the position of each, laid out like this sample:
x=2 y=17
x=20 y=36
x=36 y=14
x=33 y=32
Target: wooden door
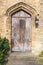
x=21 y=31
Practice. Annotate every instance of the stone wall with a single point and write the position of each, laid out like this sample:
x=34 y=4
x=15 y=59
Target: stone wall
x=5 y=24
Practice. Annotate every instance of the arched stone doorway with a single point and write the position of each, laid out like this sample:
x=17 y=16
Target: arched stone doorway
x=29 y=13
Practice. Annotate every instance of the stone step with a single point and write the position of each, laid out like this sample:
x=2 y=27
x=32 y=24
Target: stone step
x=22 y=59
x=21 y=55
x=25 y=58
x=23 y=63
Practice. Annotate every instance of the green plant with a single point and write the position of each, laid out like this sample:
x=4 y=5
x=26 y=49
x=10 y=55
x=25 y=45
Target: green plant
x=4 y=48
x=41 y=56
x=40 y=60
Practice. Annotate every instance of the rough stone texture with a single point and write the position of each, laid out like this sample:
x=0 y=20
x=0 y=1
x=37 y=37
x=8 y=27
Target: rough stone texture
x=5 y=22
x=23 y=59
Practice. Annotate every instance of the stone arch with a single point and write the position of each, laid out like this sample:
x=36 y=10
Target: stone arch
x=20 y=6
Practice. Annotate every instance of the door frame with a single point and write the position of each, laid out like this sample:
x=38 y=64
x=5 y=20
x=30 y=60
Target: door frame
x=17 y=7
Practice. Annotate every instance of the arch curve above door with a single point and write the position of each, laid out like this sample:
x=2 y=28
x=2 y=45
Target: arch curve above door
x=20 y=6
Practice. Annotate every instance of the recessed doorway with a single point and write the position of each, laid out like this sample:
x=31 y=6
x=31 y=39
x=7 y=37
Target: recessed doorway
x=21 y=31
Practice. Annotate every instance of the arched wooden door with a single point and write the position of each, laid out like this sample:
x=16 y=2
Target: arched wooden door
x=21 y=31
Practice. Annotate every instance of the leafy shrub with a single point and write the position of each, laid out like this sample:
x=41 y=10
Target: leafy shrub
x=4 y=48
x=41 y=54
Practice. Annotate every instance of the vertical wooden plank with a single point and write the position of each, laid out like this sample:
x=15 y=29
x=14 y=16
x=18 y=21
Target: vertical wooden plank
x=21 y=31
